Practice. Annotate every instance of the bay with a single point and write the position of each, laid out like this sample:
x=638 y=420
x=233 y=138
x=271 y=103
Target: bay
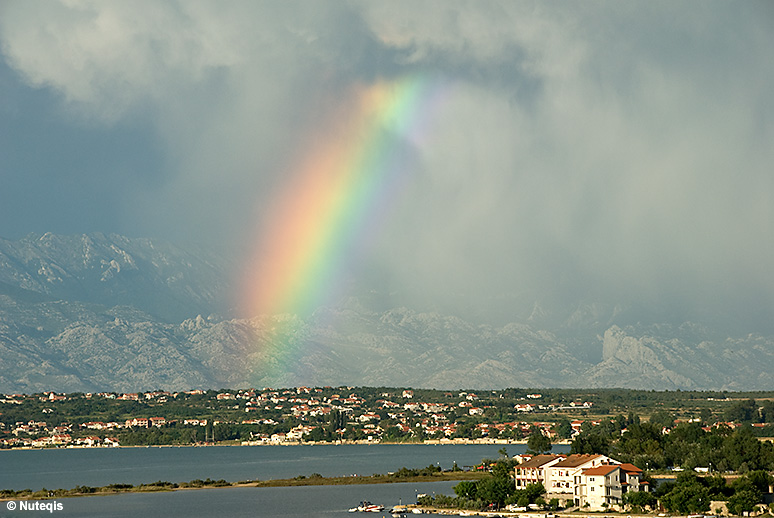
x=273 y=502
x=66 y=468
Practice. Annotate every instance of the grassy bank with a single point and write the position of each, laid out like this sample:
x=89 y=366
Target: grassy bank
x=301 y=480
x=317 y=480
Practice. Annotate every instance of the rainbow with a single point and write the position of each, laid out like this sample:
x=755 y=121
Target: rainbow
x=335 y=199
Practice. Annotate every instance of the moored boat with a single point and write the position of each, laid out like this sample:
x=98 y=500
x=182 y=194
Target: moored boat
x=367 y=507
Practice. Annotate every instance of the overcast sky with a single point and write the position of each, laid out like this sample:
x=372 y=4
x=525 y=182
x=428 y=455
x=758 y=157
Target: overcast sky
x=617 y=150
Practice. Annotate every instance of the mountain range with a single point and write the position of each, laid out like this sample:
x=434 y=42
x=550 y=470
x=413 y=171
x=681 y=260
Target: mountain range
x=110 y=313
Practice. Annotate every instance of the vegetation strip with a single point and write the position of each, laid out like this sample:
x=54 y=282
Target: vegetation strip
x=318 y=480
x=429 y=474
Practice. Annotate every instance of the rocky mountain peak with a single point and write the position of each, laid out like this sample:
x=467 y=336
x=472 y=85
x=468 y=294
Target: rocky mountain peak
x=96 y=312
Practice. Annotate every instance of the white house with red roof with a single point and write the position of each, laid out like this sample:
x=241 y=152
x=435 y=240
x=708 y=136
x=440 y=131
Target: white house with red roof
x=61 y=439
x=603 y=486
x=599 y=487
x=158 y=422
x=533 y=471
x=560 y=478
x=591 y=479
x=631 y=478
x=89 y=441
x=140 y=422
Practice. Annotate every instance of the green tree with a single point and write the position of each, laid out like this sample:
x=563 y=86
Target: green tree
x=748 y=492
x=643 y=439
x=533 y=492
x=318 y=434
x=662 y=419
x=538 y=443
x=743 y=412
x=466 y=489
x=494 y=490
x=743 y=448
x=759 y=479
x=392 y=433
x=718 y=487
x=688 y=495
x=503 y=469
x=564 y=428
x=640 y=499
x=336 y=421
x=590 y=443
x=743 y=500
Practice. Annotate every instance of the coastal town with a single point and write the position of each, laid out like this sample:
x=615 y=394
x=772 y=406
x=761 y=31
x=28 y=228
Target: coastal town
x=290 y=416
x=618 y=445
x=341 y=414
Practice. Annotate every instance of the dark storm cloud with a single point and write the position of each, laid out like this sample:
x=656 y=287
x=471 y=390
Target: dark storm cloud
x=615 y=152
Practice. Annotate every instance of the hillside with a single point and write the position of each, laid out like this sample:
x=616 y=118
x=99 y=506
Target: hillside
x=95 y=312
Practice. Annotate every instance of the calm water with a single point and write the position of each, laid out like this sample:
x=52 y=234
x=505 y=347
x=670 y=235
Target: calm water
x=280 y=502
x=66 y=468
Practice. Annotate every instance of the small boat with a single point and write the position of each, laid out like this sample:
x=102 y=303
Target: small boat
x=367 y=507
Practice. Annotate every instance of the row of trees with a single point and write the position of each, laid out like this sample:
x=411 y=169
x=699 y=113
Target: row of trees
x=646 y=445
x=687 y=444
x=690 y=493
x=492 y=492
x=750 y=411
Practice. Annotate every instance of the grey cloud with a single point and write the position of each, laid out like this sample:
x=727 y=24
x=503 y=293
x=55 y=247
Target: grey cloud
x=615 y=151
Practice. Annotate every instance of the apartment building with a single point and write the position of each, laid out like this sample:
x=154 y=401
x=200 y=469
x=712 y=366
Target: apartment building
x=561 y=478
x=533 y=470
x=599 y=487
x=588 y=480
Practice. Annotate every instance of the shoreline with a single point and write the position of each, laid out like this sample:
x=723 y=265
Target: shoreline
x=532 y=514
x=429 y=442
x=299 y=481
